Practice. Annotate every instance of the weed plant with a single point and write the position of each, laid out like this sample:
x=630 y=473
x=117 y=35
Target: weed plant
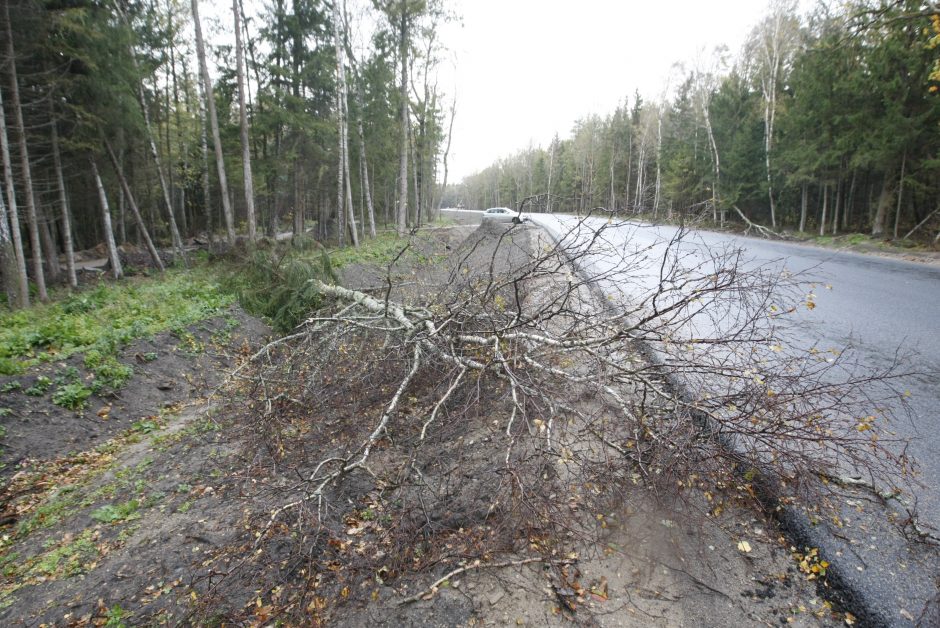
x=99 y=321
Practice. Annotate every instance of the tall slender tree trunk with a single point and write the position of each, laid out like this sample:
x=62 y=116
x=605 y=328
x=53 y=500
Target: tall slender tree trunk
x=206 y=187
x=450 y=135
x=822 y=219
x=768 y=143
x=363 y=159
x=884 y=203
x=551 y=169
x=629 y=177
x=161 y=175
x=135 y=211
x=401 y=218
x=243 y=124
x=48 y=244
x=214 y=125
x=116 y=270
x=31 y=212
x=849 y=203
x=15 y=232
x=65 y=214
x=716 y=165
x=640 y=172
x=836 y=207
x=180 y=143
x=8 y=258
x=299 y=200
x=897 y=213
x=343 y=111
x=659 y=145
x=803 y=207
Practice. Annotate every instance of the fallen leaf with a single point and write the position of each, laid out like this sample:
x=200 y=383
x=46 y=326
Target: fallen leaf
x=744 y=546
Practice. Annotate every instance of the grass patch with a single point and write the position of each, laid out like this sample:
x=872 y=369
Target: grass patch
x=115 y=513
x=106 y=317
x=381 y=250
x=67 y=560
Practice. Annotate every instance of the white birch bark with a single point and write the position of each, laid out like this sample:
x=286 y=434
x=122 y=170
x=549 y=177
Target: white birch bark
x=116 y=270
x=65 y=214
x=401 y=218
x=213 y=125
x=135 y=210
x=342 y=115
x=243 y=124
x=15 y=232
x=26 y=172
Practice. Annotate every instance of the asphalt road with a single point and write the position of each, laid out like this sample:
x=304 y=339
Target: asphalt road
x=882 y=307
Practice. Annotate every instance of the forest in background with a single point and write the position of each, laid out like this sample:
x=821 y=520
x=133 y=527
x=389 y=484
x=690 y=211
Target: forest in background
x=826 y=122
x=121 y=123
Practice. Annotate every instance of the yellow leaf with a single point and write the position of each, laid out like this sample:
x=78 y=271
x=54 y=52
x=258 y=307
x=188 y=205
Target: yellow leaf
x=744 y=546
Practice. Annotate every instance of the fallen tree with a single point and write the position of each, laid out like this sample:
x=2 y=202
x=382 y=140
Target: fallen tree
x=483 y=418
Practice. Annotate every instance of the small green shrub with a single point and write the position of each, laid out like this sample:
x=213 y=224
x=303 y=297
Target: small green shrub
x=114 y=513
x=39 y=387
x=145 y=426
x=68 y=375
x=111 y=374
x=71 y=396
x=11 y=386
x=9 y=366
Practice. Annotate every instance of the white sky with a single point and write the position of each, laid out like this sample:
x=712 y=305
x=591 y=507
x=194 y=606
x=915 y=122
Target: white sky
x=525 y=69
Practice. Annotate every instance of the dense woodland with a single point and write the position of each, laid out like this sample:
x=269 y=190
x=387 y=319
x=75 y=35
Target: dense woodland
x=826 y=123
x=142 y=124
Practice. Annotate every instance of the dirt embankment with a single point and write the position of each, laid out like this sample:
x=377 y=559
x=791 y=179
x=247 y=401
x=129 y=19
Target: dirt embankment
x=166 y=518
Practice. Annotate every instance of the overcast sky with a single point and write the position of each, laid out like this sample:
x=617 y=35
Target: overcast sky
x=524 y=69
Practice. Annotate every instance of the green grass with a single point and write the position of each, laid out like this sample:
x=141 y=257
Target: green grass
x=101 y=320
x=381 y=250
x=115 y=513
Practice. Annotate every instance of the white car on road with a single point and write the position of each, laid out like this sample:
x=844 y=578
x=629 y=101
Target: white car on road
x=503 y=214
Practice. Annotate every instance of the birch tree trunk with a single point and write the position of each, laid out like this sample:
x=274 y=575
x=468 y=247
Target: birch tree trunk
x=716 y=162
x=48 y=243
x=154 y=152
x=8 y=258
x=450 y=135
x=135 y=210
x=822 y=219
x=213 y=125
x=803 y=207
x=342 y=113
x=551 y=168
x=659 y=150
x=363 y=159
x=243 y=124
x=31 y=217
x=884 y=202
x=897 y=213
x=17 y=237
x=777 y=39
x=204 y=146
x=340 y=177
x=65 y=214
x=116 y=271
x=401 y=218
